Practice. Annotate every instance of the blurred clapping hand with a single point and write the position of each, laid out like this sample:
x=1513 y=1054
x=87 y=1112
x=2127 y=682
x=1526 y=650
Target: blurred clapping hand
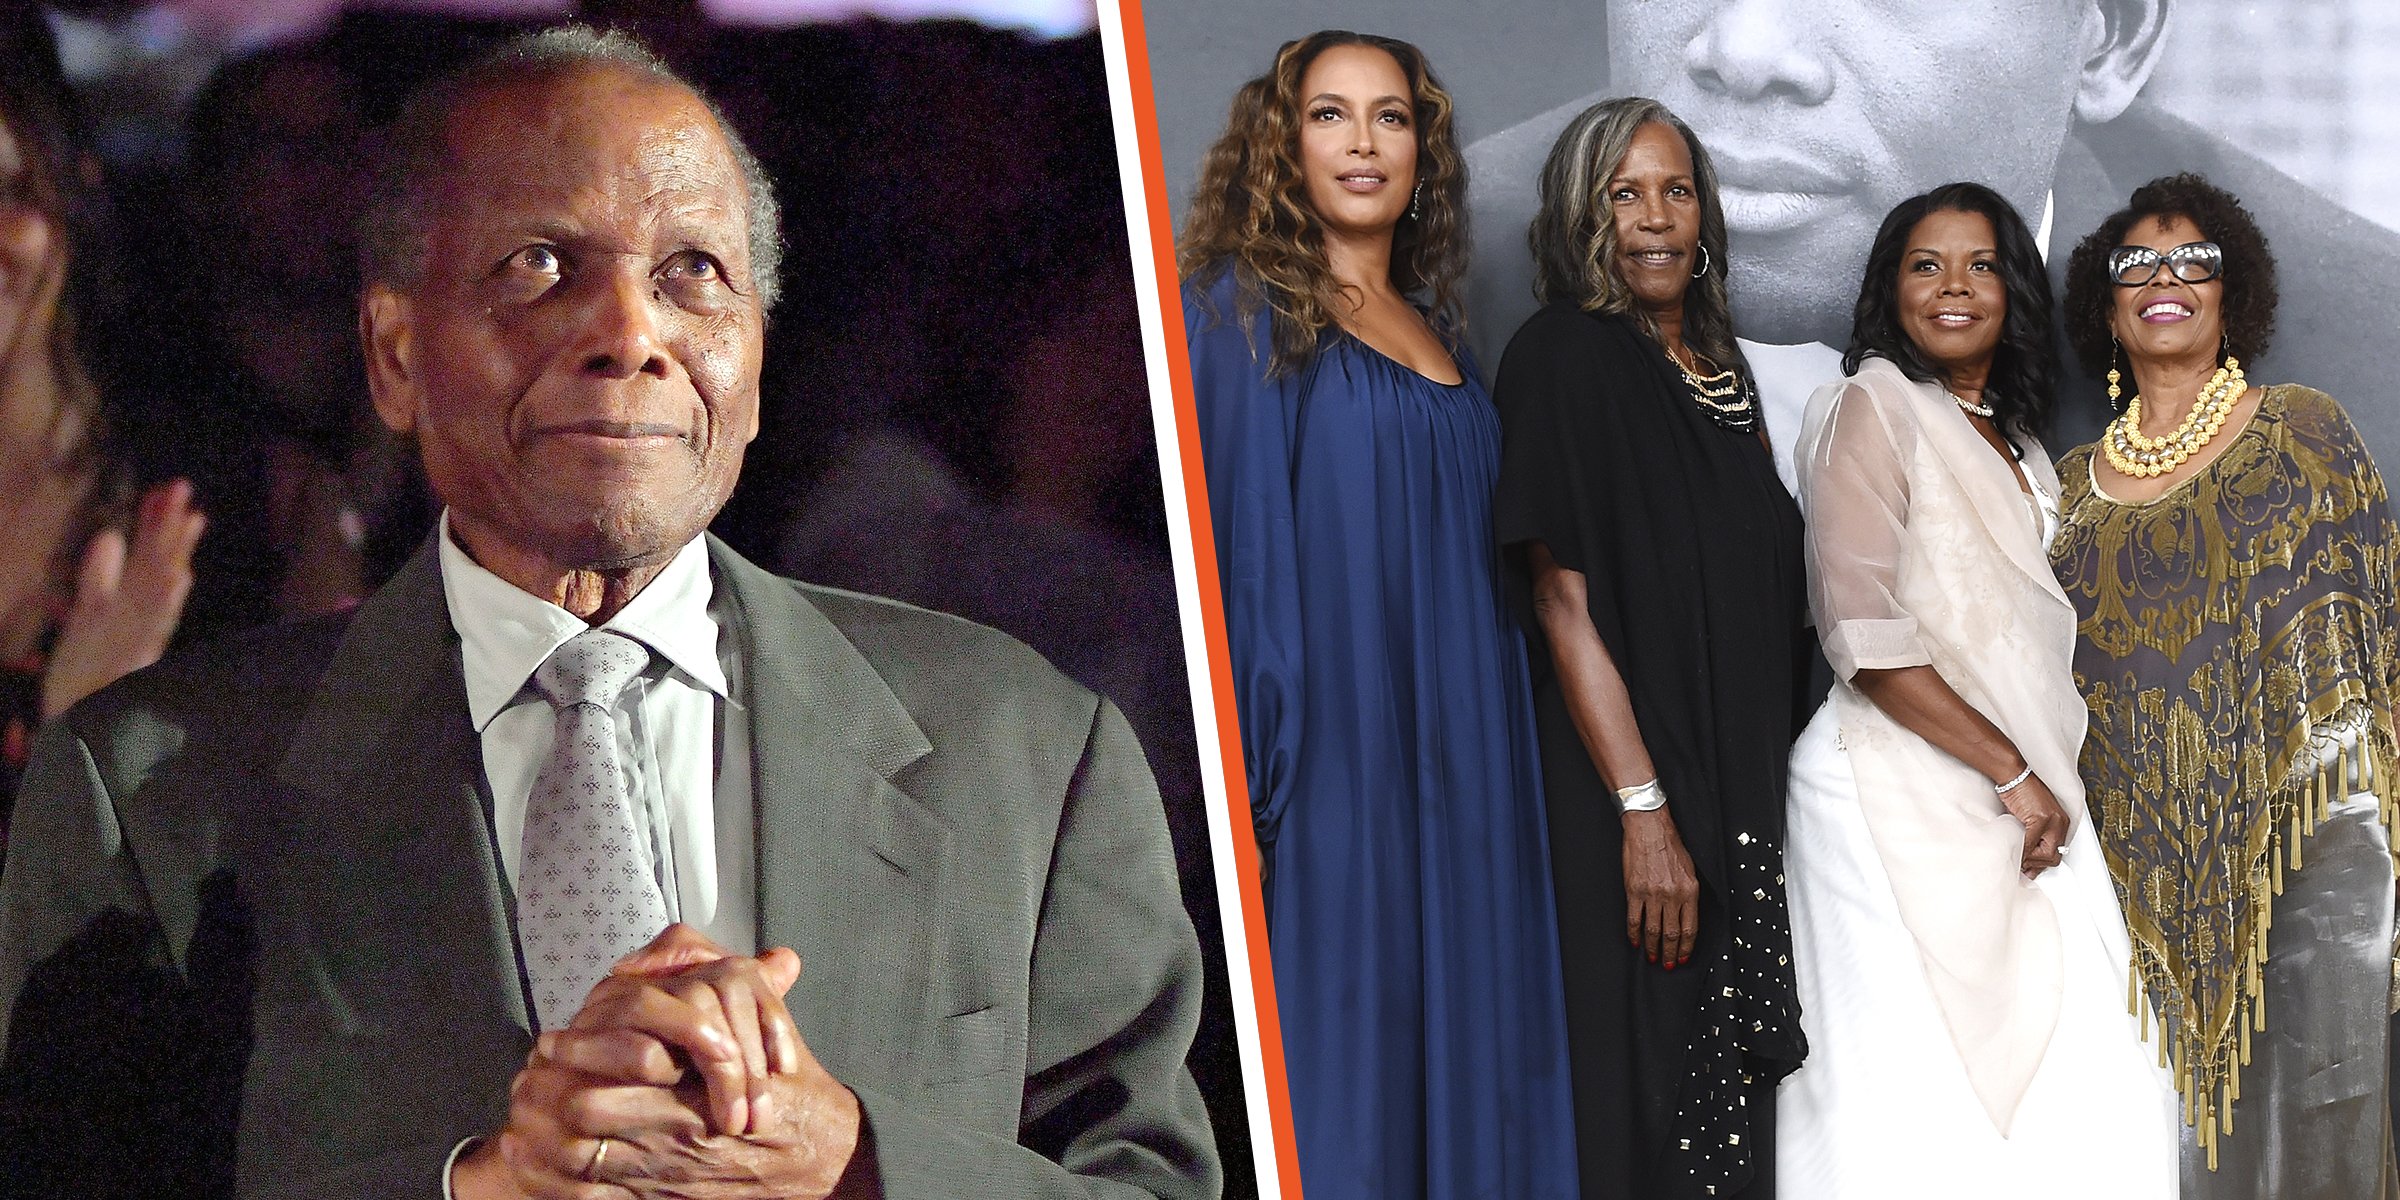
x=129 y=595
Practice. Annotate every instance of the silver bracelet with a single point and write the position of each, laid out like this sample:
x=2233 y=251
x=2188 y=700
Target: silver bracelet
x=2002 y=789
x=1641 y=797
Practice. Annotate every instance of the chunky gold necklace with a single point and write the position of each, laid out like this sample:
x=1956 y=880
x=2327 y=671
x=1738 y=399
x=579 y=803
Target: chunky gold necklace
x=1724 y=396
x=2140 y=456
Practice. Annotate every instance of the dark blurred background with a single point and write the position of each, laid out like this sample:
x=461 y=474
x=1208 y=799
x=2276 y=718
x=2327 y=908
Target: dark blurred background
x=954 y=403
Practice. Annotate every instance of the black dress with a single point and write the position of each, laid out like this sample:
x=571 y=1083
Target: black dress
x=1692 y=554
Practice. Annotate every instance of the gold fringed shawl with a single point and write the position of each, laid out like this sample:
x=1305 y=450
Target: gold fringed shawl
x=2237 y=653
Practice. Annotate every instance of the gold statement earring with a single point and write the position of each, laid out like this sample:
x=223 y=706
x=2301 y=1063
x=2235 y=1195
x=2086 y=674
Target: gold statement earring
x=2113 y=377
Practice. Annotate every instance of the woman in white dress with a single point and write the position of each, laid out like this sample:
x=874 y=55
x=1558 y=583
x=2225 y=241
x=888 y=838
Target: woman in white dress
x=1961 y=956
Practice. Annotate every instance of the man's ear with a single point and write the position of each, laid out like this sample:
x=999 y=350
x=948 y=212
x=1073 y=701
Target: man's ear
x=386 y=332
x=2120 y=43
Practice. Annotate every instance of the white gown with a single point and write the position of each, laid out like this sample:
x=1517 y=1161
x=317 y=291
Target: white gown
x=1913 y=568
x=1882 y=1107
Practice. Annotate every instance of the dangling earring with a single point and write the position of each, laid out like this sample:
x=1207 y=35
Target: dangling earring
x=2113 y=377
x=1704 y=263
x=1413 y=193
x=2225 y=352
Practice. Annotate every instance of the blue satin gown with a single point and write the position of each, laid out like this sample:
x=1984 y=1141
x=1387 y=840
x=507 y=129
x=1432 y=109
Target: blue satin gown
x=1388 y=730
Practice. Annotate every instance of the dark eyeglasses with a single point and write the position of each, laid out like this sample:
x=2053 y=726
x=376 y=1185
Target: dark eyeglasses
x=2192 y=262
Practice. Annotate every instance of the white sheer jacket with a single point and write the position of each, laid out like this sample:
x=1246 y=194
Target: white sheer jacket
x=1923 y=549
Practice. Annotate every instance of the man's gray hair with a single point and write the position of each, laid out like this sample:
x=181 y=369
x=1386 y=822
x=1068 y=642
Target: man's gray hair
x=400 y=200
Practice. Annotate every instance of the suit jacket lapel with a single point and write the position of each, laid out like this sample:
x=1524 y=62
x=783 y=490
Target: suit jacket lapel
x=847 y=860
x=394 y=869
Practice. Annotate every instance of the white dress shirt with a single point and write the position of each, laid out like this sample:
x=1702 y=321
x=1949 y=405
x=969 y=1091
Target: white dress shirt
x=679 y=728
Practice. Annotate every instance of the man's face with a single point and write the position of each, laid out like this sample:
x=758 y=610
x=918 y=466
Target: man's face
x=580 y=361
x=1822 y=114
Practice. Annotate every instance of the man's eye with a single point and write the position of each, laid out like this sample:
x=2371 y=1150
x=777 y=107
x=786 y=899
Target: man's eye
x=541 y=259
x=695 y=265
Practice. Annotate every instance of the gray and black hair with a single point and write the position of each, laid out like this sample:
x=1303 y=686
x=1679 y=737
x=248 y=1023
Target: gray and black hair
x=1574 y=235
x=391 y=232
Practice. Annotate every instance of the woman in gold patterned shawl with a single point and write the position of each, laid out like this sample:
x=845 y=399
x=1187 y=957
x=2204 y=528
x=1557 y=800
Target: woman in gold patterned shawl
x=2229 y=552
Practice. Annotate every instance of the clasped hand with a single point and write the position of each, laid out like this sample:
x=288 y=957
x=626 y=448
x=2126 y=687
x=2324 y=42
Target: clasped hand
x=683 y=1074
x=2045 y=820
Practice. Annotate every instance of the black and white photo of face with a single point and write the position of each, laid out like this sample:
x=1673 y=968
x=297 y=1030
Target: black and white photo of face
x=1823 y=114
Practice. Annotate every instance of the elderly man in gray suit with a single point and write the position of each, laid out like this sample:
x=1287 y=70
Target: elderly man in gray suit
x=465 y=894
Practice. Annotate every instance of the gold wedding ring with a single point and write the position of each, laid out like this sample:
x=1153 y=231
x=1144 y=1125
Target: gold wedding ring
x=591 y=1170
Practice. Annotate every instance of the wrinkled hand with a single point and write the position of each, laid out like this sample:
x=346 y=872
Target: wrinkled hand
x=1662 y=891
x=2045 y=823
x=685 y=999
x=127 y=599
x=686 y=1062
x=658 y=1144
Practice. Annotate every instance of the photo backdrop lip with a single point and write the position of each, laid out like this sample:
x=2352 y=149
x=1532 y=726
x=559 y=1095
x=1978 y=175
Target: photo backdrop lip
x=1141 y=166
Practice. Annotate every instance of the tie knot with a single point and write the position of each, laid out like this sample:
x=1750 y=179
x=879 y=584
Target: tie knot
x=592 y=668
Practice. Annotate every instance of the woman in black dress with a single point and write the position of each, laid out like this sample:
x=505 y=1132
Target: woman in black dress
x=1659 y=563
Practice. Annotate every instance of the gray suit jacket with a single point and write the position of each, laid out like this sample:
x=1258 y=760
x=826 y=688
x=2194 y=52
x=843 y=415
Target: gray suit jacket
x=254 y=937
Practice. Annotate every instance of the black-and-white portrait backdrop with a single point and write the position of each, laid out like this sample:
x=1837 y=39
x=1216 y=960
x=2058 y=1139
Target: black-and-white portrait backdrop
x=1821 y=114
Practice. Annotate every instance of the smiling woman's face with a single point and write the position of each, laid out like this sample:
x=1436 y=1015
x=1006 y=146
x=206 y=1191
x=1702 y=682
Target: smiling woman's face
x=1358 y=140
x=2168 y=319
x=1952 y=301
x=1657 y=210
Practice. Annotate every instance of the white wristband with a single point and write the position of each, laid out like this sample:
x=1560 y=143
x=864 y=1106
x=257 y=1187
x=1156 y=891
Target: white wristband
x=1641 y=797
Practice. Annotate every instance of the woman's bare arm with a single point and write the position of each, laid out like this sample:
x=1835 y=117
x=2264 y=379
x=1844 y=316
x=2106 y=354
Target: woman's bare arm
x=1662 y=891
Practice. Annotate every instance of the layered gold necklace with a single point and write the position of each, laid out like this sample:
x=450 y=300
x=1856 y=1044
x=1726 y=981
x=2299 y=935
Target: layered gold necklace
x=1725 y=396
x=2140 y=456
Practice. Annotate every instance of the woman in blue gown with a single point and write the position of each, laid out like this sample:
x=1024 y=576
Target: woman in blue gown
x=1385 y=710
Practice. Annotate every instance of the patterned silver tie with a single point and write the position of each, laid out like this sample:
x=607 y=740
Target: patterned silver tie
x=587 y=892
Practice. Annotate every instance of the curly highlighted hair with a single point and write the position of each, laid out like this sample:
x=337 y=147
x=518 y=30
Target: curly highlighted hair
x=2249 y=276
x=1250 y=213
